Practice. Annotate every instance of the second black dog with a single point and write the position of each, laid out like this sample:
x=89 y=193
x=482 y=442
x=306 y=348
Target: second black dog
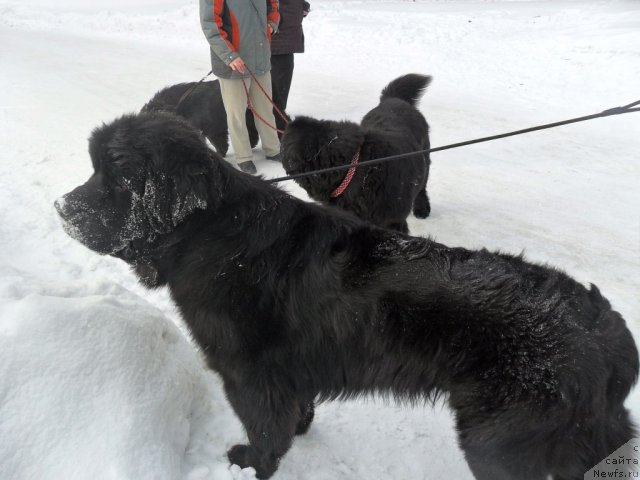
x=384 y=193
x=203 y=108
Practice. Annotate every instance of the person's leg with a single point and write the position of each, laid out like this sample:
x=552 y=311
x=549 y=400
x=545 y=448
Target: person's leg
x=234 y=98
x=281 y=75
x=263 y=106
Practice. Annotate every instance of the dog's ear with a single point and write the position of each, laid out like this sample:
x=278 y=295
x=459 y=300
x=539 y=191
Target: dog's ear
x=178 y=179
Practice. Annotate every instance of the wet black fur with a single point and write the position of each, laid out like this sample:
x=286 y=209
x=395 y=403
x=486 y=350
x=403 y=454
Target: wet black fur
x=293 y=303
x=203 y=108
x=385 y=193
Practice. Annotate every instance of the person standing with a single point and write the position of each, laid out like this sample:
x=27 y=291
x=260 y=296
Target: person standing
x=288 y=40
x=239 y=35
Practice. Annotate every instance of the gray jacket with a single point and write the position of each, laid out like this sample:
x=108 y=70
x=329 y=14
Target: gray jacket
x=239 y=28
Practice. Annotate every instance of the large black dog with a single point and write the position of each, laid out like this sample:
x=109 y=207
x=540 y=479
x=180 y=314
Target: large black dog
x=201 y=104
x=293 y=303
x=384 y=193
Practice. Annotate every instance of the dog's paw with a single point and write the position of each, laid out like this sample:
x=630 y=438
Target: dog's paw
x=421 y=209
x=239 y=455
x=246 y=456
x=421 y=206
x=422 y=213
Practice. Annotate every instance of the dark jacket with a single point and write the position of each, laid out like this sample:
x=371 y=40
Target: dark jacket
x=239 y=28
x=290 y=37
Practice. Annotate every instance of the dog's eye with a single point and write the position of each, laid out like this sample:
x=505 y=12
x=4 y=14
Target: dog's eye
x=119 y=160
x=128 y=253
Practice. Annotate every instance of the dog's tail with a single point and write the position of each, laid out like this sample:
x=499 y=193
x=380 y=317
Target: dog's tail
x=409 y=88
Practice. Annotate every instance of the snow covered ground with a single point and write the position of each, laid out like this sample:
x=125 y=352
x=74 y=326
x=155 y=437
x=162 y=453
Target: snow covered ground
x=97 y=379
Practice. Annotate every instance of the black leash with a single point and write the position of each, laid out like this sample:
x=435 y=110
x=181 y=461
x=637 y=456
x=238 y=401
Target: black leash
x=188 y=92
x=612 y=111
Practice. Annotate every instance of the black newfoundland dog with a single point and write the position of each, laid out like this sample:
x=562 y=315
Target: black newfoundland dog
x=201 y=104
x=294 y=303
x=385 y=193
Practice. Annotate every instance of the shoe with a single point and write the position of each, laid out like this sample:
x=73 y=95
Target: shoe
x=275 y=158
x=247 y=167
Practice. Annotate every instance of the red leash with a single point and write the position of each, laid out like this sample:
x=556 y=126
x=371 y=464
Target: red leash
x=347 y=178
x=252 y=108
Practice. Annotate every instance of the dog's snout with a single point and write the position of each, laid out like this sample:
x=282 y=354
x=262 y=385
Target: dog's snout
x=59 y=206
x=66 y=207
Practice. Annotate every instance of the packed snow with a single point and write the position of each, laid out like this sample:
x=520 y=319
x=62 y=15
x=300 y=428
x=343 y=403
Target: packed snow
x=98 y=376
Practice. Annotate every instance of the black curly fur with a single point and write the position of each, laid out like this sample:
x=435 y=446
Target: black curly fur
x=293 y=302
x=386 y=193
x=203 y=108
x=409 y=88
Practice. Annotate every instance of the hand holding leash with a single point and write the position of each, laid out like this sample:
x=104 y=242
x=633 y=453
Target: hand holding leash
x=237 y=65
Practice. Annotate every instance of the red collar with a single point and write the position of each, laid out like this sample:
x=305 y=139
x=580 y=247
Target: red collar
x=347 y=178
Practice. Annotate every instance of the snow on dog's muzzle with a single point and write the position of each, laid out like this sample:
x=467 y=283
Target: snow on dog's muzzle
x=90 y=221
x=69 y=222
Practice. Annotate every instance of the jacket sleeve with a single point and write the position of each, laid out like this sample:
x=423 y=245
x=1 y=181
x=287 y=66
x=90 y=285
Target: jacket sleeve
x=211 y=22
x=273 y=14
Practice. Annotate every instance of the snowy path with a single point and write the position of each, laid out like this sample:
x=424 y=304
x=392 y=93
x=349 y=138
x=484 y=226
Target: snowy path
x=569 y=196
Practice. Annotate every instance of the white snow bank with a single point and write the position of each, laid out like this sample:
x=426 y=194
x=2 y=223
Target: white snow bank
x=96 y=384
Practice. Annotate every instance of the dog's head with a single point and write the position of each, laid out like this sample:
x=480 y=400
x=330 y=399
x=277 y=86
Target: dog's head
x=310 y=144
x=150 y=171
